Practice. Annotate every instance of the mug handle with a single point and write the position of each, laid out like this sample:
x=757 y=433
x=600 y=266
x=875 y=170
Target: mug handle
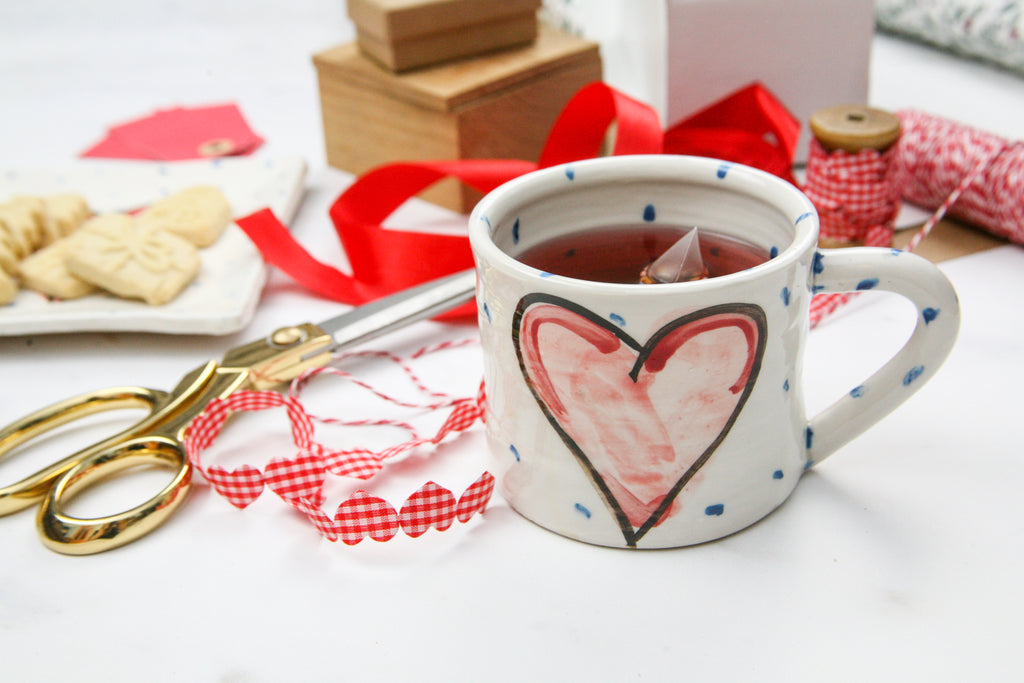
x=938 y=322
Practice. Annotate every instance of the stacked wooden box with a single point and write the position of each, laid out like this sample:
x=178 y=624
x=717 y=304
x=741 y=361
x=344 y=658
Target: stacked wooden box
x=447 y=79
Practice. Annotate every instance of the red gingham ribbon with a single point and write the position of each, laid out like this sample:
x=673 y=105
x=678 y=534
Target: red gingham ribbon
x=365 y=515
x=857 y=201
x=244 y=484
x=854 y=193
x=299 y=481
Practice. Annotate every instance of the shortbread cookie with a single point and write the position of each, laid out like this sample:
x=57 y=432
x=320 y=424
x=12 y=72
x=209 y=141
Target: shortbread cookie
x=119 y=255
x=19 y=228
x=199 y=214
x=62 y=215
x=46 y=272
x=31 y=207
x=8 y=288
x=8 y=257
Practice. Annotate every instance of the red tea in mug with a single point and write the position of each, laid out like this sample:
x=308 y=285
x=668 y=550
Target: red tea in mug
x=620 y=253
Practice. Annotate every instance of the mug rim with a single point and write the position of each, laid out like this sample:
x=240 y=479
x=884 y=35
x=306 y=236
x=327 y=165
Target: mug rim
x=691 y=170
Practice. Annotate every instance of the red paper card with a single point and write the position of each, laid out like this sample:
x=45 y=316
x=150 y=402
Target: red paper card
x=180 y=133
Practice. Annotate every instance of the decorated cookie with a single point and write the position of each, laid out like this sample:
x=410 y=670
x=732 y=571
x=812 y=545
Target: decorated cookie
x=199 y=214
x=46 y=272
x=132 y=260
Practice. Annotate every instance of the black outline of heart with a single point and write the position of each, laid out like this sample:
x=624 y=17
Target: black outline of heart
x=752 y=311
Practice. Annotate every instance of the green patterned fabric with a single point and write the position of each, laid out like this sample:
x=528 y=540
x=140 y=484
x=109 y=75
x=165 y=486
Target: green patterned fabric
x=990 y=30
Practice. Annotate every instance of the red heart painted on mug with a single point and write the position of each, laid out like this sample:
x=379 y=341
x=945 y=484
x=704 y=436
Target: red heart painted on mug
x=641 y=418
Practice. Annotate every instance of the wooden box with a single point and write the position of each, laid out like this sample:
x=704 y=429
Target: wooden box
x=406 y=34
x=499 y=106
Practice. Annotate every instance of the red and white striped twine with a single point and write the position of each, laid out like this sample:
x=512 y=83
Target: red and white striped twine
x=299 y=481
x=937 y=164
x=973 y=175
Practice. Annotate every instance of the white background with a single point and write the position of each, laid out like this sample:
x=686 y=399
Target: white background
x=897 y=559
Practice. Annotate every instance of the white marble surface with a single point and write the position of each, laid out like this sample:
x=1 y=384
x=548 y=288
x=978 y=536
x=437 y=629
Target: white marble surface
x=896 y=559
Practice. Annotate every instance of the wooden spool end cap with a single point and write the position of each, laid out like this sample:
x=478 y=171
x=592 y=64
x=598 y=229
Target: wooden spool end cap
x=854 y=127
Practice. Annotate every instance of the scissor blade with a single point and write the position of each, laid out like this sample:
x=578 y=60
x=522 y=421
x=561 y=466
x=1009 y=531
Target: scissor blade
x=398 y=310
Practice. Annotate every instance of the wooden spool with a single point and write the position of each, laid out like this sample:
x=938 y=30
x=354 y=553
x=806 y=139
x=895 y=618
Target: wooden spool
x=853 y=128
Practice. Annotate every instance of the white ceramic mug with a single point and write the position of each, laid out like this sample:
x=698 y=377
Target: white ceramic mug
x=665 y=415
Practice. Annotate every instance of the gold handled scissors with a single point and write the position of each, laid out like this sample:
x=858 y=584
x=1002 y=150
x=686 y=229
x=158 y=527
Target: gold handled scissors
x=158 y=437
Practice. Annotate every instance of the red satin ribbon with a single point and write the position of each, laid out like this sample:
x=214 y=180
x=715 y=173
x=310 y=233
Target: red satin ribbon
x=750 y=126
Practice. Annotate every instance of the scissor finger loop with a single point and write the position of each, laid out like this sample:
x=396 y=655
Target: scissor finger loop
x=32 y=488
x=65 y=533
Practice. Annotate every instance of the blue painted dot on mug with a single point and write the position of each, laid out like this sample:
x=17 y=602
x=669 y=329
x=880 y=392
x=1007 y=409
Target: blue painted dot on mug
x=778 y=474
x=570 y=173
x=867 y=283
x=895 y=252
x=545 y=273
x=515 y=451
x=802 y=217
x=808 y=438
x=486 y=221
x=930 y=314
x=785 y=295
x=515 y=232
x=723 y=170
x=912 y=374
x=487 y=312
x=785 y=385
x=715 y=510
x=773 y=252
x=617 y=319
x=582 y=509
x=649 y=213
x=819 y=263
x=857 y=391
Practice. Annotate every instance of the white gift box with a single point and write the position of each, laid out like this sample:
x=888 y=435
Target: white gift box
x=681 y=55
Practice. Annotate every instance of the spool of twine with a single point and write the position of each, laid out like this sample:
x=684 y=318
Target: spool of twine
x=975 y=176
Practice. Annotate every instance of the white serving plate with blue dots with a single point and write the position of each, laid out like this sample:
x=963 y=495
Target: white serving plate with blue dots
x=224 y=295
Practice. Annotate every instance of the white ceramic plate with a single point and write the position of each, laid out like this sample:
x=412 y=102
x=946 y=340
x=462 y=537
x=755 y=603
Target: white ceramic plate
x=223 y=296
